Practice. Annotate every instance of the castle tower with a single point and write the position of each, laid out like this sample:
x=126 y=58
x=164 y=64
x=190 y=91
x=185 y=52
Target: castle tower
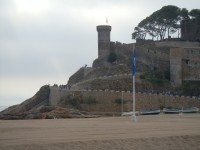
x=103 y=41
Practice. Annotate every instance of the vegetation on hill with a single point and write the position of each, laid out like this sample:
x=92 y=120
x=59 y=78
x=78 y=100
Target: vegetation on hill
x=75 y=101
x=190 y=88
x=166 y=20
x=77 y=77
x=156 y=77
x=112 y=57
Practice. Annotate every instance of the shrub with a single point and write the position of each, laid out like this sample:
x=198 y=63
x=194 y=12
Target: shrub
x=89 y=100
x=112 y=57
x=191 y=88
x=118 y=101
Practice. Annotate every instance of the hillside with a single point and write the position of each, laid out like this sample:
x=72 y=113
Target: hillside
x=153 y=79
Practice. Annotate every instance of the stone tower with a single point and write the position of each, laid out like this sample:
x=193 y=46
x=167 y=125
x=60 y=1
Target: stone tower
x=103 y=41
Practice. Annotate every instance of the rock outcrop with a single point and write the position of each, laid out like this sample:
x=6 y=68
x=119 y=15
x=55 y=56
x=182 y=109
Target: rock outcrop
x=29 y=108
x=38 y=107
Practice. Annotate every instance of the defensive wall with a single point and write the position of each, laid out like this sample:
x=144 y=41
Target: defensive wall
x=184 y=64
x=106 y=100
x=153 y=56
x=124 y=48
x=190 y=29
x=182 y=58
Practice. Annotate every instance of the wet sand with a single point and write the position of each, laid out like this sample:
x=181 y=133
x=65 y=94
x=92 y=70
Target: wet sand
x=113 y=133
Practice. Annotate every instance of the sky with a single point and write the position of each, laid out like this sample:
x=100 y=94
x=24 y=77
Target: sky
x=46 y=41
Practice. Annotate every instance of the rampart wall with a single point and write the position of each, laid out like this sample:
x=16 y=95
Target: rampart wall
x=191 y=64
x=157 y=54
x=177 y=44
x=184 y=64
x=153 y=56
x=122 y=47
x=190 y=29
x=106 y=100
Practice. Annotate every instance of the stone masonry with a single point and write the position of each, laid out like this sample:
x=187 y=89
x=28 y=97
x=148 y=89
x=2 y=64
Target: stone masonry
x=103 y=40
x=184 y=64
x=106 y=100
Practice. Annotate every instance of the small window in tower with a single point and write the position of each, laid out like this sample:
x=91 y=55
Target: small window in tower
x=188 y=52
x=191 y=51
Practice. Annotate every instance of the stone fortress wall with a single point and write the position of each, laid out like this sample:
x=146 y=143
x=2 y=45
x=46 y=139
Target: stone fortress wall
x=191 y=63
x=155 y=54
x=106 y=99
x=181 y=57
x=184 y=64
x=103 y=40
x=190 y=29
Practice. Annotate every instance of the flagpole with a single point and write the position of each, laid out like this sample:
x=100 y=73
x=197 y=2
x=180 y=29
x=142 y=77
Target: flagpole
x=134 y=119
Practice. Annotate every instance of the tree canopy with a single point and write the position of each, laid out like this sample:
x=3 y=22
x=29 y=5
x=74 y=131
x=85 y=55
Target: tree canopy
x=165 y=21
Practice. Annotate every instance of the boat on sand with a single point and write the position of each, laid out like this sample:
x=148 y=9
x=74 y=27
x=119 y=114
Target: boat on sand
x=190 y=110
x=149 y=111
x=171 y=110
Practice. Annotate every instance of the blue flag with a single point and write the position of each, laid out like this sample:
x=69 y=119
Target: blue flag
x=133 y=63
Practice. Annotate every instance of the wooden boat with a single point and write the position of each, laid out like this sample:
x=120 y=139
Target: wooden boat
x=149 y=111
x=171 y=110
x=190 y=110
x=129 y=113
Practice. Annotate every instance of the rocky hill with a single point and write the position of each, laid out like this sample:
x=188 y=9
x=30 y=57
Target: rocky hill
x=30 y=108
x=38 y=107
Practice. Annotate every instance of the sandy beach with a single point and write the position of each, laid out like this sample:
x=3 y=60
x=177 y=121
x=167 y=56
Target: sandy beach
x=158 y=132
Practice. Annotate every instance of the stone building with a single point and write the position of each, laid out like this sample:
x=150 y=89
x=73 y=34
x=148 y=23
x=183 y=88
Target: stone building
x=103 y=40
x=180 y=58
x=190 y=30
x=184 y=64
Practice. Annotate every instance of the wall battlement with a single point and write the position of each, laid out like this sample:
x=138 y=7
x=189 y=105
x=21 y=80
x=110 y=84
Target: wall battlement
x=103 y=28
x=143 y=100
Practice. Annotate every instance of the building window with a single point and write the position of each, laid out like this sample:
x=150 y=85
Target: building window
x=188 y=52
x=186 y=61
x=191 y=51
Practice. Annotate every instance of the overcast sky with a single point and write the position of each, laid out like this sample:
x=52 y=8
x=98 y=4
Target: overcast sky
x=46 y=41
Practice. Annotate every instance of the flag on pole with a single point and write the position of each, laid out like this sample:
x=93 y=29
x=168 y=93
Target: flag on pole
x=133 y=63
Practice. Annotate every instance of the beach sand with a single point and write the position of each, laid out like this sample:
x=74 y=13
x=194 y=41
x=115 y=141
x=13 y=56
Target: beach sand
x=159 y=132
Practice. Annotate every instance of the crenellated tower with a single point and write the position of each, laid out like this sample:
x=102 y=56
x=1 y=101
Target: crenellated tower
x=103 y=41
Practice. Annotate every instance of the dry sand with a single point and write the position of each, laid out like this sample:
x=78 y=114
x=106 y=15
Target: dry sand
x=161 y=132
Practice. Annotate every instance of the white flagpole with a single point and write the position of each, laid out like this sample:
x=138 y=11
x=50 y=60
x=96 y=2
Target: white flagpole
x=134 y=119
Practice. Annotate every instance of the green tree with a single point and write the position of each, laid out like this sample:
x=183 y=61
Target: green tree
x=165 y=20
x=184 y=14
x=195 y=13
x=167 y=17
x=112 y=57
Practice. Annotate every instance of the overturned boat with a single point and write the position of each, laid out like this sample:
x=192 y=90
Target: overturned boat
x=171 y=110
x=190 y=110
x=149 y=111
